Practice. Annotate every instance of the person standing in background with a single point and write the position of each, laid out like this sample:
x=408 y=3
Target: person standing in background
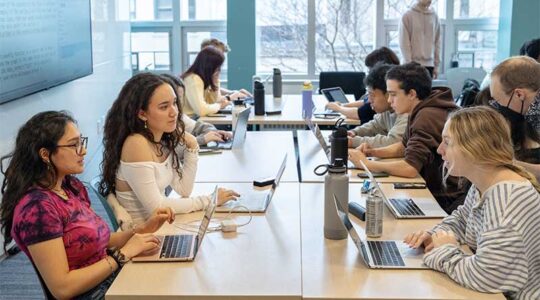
x=420 y=36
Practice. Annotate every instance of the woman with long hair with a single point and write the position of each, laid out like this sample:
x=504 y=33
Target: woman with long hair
x=46 y=210
x=144 y=141
x=500 y=218
x=203 y=96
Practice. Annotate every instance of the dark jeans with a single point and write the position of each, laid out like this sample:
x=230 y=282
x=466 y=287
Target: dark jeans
x=99 y=291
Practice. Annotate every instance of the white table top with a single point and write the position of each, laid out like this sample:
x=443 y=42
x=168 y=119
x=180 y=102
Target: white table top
x=312 y=155
x=291 y=113
x=260 y=157
x=260 y=261
x=333 y=269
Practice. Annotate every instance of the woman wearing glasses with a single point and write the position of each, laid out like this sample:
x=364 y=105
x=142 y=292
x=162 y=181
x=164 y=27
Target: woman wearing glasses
x=46 y=210
x=144 y=141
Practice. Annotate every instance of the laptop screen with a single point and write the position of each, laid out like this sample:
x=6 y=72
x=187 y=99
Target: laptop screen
x=208 y=213
x=241 y=127
x=335 y=94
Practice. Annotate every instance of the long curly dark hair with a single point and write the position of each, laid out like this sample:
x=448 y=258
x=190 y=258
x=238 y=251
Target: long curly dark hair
x=122 y=121
x=25 y=167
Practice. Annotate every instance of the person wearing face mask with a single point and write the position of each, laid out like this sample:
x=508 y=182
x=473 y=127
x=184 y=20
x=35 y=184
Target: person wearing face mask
x=420 y=36
x=515 y=86
x=500 y=217
x=387 y=127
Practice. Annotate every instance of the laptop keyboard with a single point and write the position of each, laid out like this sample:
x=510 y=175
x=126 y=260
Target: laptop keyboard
x=176 y=246
x=385 y=253
x=406 y=207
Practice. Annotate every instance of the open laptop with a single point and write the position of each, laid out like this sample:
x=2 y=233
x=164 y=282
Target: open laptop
x=182 y=247
x=322 y=141
x=408 y=208
x=239 y=134
x=255 y=201
x=333 y=94
x=227 y=110
x=382 y=254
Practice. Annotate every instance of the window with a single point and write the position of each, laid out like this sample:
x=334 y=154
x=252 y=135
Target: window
x=150 y=51
x=203 y=10
x=481 y=47
x=394 y=9
x=282 y=36
x=151 y=10
x=476 y=9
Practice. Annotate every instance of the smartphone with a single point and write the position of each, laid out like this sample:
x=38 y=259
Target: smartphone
x=375 y=174
x=409 y=185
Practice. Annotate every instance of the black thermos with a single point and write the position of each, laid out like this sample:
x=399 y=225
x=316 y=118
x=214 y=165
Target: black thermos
x=339 y=145
x=258 y=98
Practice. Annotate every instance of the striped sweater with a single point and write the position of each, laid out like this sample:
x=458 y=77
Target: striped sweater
x=503 y=229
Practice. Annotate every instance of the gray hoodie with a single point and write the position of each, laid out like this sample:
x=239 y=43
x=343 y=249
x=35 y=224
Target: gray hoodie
x=420 y=36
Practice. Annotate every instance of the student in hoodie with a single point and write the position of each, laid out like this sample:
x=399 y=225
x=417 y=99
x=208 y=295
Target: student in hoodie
x=420 y=36
x=409 y=91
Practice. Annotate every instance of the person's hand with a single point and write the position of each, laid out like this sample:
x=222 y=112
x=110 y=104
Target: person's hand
x=333 y=106
x=191 y=141
x=435 y=73
x=442 y=237
x=224 y=103
x=236 y=95
x=356 y=156
x=245 y=92
x=225 y=135
x=159 y=216
x=366 y=149
x=140 y=243
x=351 y=133
x=419 y=238
x=225 y=195
x=213 y=136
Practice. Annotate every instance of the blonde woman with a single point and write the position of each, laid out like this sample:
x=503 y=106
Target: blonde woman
x=501 y=214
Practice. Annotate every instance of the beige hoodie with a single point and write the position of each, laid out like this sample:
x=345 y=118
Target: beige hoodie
x=420 y=36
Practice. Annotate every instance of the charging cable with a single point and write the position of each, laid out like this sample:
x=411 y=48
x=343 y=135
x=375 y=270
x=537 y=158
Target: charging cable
x=225 y=224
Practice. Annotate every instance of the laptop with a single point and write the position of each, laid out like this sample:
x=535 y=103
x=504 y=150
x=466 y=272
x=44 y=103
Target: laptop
x=182 y=247
x=227 y=110
x=239 y=134
x=333 y=94
x=382 y=254
x=408 y=208
x=322 y=141
x=255 y=201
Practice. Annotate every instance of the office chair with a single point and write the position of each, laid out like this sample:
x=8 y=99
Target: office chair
x=456 y=77
x=46 y=292
x=350 y=82
x=94 y=186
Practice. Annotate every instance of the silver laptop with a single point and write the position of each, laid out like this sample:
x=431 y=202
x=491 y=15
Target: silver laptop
x=239 y=134
x=182 y=247
x=322 y=141
x=408 y=208
x=255 y=201
x=382 y=254
x=333 y=94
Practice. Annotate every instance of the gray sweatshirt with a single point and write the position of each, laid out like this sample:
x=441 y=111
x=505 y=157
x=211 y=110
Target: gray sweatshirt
x=197 y=128
x=385 y=129
x=420 y=36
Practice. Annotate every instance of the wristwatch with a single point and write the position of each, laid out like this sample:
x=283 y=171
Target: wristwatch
x=118 y=256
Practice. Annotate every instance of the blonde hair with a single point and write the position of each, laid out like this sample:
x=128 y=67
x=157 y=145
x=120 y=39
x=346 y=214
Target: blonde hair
x=483 y=135
x=216 y=43
x=518 y=72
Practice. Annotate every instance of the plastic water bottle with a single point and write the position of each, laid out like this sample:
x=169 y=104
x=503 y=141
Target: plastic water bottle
x=238 y=107
x=374 y=214
x=258 y=98
x=277 y=83
x=336 y=182
x=307 y=100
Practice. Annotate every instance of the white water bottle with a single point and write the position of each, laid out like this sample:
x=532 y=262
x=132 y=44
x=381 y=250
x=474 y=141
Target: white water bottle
x=374 y=214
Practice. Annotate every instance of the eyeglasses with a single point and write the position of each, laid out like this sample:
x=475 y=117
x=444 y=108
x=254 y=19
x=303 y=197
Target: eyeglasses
x=79 y=146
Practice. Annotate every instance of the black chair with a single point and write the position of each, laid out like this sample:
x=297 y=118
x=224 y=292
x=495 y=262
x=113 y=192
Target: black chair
x=350 y=82
x=46 y=292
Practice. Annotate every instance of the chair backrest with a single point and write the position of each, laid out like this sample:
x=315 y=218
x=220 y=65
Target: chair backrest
x=456 y=77
x=94 y=185
x=349 y=82
x=46 y=292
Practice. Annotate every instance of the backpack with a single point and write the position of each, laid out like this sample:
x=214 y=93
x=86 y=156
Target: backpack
x=470 y=89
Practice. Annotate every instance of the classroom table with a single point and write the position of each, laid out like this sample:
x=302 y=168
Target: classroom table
x=260 y=261
x=291 y=113
x=333 y=269
x=312 y=155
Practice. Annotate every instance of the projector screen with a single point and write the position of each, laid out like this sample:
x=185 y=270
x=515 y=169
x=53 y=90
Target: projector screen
x=43 y=43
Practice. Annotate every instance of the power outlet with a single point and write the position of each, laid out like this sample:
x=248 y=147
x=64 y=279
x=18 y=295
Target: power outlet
x=99 y=125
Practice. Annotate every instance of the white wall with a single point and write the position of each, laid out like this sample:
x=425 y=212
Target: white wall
x=88 y=98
